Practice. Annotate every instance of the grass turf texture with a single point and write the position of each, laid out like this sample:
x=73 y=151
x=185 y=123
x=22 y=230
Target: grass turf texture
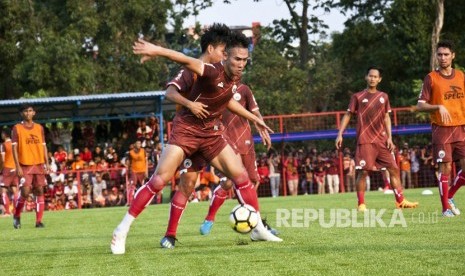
x=78 y=242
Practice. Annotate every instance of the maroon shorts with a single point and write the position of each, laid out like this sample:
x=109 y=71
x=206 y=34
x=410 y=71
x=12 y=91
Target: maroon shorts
x=370 y=157
x=34 y=176
x=208 y=142
x=10 y=178
x=194 y=163
x=448 y=152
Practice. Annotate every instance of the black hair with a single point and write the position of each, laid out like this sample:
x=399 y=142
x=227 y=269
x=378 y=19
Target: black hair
x=25 y=106
x=446 y=44
x=374 y=67
x=215 y=35
x=237 y=39
x=7 y=131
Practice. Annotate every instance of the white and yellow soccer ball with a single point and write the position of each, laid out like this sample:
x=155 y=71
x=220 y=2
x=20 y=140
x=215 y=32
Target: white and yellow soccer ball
x=243 y=218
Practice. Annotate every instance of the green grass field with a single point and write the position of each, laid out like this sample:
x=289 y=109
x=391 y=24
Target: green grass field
x=77 y=242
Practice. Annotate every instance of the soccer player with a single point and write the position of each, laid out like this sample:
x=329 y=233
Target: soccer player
x=10 y=179
x=443 y=96
x=374 y=137
x=31 y=162
x=238 y=132
x=139 y=168
x=214 y=87
x=212 y=43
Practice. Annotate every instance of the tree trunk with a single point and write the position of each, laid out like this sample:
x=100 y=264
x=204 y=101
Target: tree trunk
x=436 y=32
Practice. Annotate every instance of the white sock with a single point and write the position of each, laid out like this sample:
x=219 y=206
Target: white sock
x=125 y=224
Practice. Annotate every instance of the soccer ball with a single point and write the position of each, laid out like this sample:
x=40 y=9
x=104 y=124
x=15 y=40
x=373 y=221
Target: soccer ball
x=243 y=218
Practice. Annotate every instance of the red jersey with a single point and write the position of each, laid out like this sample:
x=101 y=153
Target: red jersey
x=238 y=128
x=371 y=109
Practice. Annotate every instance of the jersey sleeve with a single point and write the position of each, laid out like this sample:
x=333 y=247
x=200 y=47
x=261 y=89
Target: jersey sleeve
x=426 y=89
x=14 y=135
x=387 y=104
x=353 y=104
x=250 y=102
x=183 y=81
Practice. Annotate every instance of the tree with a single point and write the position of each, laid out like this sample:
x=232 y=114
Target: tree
x=438 y=23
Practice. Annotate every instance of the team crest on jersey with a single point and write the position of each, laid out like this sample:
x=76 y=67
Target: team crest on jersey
x=220 y=84
x=362 y=163
x=247 y=142
x=237 y=96
x=441 y=154
x=234 y=89
x=187 y=163
x=365 y=101
x=381 y=100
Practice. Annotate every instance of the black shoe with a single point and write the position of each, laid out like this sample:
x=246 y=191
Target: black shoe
x=168 y=242
x=40 y=225
x=16 y=222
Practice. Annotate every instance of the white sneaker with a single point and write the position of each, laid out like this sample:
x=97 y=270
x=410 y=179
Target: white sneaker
x=453 y=207
x=263 y=235
x=118 y=243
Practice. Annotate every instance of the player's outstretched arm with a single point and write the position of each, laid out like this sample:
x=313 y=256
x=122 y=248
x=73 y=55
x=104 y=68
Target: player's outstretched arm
x=344 y=122
x=148 y=50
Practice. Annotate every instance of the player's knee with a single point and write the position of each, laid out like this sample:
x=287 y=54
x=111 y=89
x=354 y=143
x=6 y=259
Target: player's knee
x=226 y=185
x=156 y=183
x=241 y=178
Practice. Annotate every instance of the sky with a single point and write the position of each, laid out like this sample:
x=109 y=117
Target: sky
x=244 y=12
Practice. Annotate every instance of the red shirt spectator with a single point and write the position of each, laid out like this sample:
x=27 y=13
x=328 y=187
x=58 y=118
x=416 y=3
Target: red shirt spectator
x=60 y=155
x=86 y=155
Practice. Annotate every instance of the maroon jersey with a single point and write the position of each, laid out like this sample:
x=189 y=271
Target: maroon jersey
x=237 y=128
x=371 y=109
x=214 y=89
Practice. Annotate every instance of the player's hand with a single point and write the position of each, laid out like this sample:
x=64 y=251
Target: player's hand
x=198 y=109
x=264 y=132
x=445 y=116
x=338 y=142
x=19 y=172
x=390 y=145
x=146 y=49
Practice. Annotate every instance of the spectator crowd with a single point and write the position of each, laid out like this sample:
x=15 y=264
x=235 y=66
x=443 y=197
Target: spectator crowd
x=90 y=166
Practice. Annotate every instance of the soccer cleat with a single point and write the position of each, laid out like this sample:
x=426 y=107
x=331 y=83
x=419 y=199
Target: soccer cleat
x=168 y=242
x=448 y=214
x=263 y=235
x=453 y=207
x=39 y=225
x=16 y=222
x=269 y=228
x=362 y=207
x=206 y=227
x=118 y=243
x=406 y=204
